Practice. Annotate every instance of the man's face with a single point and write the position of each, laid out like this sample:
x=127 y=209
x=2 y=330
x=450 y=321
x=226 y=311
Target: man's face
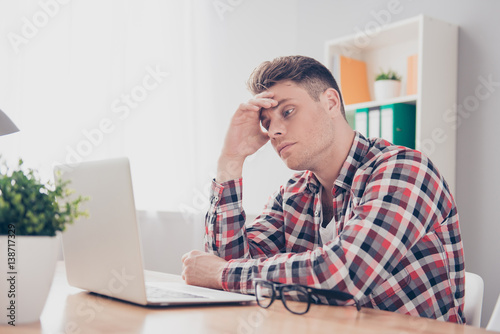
x=301 y=129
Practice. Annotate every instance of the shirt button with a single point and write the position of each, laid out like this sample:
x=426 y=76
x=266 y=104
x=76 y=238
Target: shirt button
x=316 y=213
x=215 y=199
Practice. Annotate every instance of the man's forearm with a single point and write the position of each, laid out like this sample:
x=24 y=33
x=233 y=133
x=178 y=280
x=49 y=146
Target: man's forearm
x=225 y=220
x=229 y=169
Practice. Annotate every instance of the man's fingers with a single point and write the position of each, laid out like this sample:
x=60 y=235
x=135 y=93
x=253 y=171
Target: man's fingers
x=246 y=106
x=190 y=254
x=266 y=93
x=185 y=256
x=257 y=104
x=264 y=103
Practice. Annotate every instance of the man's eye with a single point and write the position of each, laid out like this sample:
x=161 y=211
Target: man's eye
x=288 y=112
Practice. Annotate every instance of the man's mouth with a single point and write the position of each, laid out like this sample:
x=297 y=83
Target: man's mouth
x=284 y=147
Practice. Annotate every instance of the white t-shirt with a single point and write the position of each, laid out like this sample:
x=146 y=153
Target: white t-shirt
x=327 y=233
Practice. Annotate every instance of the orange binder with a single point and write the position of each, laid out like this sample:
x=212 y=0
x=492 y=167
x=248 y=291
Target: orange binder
x=352 y=79
x=411 y=75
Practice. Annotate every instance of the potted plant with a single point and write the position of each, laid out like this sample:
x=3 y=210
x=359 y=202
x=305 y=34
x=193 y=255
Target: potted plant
x=387 y=85
x=30 y=218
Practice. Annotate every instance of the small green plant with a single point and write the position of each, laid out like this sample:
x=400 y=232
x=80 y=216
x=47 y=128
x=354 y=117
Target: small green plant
x=389 y=75
x=33 y=207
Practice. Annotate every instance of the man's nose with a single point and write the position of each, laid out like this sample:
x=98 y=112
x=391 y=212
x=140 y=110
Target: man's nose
x=276 y=129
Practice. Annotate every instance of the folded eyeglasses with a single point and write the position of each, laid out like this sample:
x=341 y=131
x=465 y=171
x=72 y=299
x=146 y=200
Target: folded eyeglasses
x=296 y=298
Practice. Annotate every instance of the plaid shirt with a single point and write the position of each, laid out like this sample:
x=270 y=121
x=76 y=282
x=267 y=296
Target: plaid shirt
x=397 y=245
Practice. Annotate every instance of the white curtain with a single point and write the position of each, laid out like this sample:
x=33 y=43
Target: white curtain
x=159 y=79
x=87 y=80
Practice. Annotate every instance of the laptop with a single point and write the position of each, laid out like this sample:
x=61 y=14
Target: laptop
x=102 y=252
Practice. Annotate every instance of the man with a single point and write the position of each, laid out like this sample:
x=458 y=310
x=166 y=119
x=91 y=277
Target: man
x=365 y=217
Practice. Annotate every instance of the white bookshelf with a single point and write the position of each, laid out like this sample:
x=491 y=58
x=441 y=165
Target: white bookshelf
x=436 y=43
x=409 y=99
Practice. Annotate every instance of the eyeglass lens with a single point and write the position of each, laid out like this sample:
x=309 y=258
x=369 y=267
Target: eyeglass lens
x=295 y=298
x=264 y=293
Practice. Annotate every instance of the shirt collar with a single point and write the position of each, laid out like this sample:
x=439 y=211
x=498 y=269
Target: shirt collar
x=359 y=149
x=312 y=183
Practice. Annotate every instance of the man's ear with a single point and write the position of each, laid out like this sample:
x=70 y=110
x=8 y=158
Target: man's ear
x=332 y=100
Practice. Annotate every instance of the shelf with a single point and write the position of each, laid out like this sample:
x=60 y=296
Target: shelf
x=409 y=99
x=395 y=33
x=388 y=47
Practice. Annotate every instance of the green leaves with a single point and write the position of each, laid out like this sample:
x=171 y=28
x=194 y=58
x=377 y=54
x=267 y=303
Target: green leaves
x=389 y=75
x=34 y=207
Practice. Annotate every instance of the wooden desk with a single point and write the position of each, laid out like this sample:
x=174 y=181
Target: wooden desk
x=71 y=310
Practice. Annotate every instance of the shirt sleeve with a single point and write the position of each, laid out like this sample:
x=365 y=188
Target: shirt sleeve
x=225 y=232
x=404 y=197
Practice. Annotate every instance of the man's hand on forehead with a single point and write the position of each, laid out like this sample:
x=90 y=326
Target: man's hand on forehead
x=267 y=102
x=262 y=100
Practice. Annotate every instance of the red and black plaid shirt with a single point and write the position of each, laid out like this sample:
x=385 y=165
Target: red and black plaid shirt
x=396 y=245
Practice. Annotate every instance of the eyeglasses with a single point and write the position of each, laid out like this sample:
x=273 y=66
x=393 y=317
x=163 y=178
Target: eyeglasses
x=296 y=298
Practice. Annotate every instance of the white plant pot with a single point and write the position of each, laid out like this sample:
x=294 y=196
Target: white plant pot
x=386 y=89
x=25 y=283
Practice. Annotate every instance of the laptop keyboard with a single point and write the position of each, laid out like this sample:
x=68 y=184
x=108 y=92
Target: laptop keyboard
x=158 y=293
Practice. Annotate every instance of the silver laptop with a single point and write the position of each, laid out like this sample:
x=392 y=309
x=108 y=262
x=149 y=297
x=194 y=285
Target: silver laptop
x=103 y=253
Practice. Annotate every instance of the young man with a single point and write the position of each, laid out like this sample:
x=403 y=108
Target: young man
x=366 y=217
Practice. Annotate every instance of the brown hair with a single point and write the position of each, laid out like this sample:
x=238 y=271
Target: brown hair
x=306 y=72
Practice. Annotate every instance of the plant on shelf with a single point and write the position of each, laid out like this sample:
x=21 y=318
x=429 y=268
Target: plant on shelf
x=389 y=75
x=387 y=85
x=31 y=212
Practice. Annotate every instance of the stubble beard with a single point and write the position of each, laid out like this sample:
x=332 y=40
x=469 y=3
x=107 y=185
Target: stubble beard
x=311 y=159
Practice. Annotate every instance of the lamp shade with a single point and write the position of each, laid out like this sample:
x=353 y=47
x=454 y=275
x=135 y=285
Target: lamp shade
x=6 y=125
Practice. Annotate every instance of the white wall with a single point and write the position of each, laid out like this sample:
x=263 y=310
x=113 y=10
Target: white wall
x=166 y=236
